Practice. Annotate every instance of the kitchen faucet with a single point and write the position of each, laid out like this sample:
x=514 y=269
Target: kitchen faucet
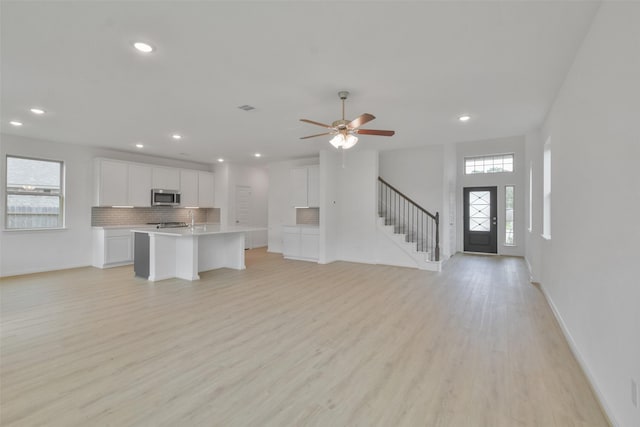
x=191 y=214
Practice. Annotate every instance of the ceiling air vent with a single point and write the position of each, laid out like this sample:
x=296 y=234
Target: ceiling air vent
x=246 y=107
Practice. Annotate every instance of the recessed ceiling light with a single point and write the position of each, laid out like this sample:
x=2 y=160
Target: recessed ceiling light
x=140 y=145
x=37 y=110
x=464 y=118
x=15 y=123
x=143 y=47
x=220 y=160
x=258 y=155
x=176 y=136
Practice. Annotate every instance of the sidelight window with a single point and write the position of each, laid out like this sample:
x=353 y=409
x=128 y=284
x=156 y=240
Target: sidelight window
x=509 y=198
x=546 y=188
x=35 y=196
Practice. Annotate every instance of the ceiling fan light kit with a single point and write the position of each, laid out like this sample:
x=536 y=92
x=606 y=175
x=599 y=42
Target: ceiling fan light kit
x=344 y=142
x=344 y=131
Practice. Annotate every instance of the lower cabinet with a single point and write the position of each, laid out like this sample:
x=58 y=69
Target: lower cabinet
x=301 y=242
x=112 y=247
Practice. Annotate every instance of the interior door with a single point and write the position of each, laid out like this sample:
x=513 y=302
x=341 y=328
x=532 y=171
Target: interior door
x=480 y=219
x=243 y=210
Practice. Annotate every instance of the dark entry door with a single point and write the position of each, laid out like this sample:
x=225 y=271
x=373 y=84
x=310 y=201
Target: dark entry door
x=480 y=219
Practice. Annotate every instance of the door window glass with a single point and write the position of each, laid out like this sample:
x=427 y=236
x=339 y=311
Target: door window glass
x=479 y=211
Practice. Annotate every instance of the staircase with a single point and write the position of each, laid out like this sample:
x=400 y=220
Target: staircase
x=412 y=229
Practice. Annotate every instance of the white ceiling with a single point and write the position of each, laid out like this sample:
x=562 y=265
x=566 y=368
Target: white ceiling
x=415 y=65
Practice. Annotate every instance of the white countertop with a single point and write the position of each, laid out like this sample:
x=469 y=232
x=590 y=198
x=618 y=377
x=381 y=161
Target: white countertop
x=118 y=227
x=139 y=226
x=302 y=225
x=198 y=230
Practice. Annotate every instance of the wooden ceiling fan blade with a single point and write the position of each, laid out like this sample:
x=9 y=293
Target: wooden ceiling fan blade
x=375 y=132
x=362 y=119
x=313 y=136
x=316 y=123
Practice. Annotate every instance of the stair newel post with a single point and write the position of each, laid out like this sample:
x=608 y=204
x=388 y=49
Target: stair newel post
x=437 y=250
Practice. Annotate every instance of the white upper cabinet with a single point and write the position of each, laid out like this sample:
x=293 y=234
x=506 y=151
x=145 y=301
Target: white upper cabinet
x=120 y=183
x=305 y=186
x=188 y=188
x=313 y=186
x=299 y=187
x=165 y=178
x=139 y=186
x=111 y=183
x=206 y=189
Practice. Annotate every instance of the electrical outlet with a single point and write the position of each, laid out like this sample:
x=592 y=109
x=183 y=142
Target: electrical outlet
x=634 y=393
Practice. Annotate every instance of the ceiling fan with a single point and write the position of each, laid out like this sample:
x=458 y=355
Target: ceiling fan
x=345 y=131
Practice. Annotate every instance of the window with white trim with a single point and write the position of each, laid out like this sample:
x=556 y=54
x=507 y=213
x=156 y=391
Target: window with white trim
x=34 y=191
x=509 y=203
x=530 y=228
x=488 y=164
x=546 y=189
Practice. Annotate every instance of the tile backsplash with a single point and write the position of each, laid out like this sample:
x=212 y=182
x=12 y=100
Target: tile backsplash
x=138 y=216
x=308 y=216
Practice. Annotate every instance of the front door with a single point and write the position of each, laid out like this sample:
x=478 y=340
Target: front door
x=480 y=219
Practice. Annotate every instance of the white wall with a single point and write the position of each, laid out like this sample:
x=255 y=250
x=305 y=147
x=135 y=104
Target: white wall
x=280 y=211
x=330 y=178
x=517 y=178
x=588 y=269
x=357 y=207
x=34 y=251
x=533 y=240
x=417 y=172
x=426 y=175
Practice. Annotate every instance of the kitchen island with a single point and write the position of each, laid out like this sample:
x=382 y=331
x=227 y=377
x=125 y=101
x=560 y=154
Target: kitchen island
x=184 y=252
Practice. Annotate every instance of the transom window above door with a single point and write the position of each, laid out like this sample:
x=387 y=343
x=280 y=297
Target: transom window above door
x=488 y=164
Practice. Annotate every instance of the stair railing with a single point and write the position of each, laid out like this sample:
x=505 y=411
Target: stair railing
x=409 y=218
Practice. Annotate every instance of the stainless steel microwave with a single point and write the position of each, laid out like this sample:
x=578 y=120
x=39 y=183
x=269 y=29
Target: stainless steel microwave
x=165 y=197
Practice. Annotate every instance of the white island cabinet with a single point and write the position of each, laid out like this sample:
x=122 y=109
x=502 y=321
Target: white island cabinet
x=184 y=252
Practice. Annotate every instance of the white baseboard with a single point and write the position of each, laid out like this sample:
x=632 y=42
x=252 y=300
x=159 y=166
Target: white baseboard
x=41 y=270
x=531 y=278
x=576 y=353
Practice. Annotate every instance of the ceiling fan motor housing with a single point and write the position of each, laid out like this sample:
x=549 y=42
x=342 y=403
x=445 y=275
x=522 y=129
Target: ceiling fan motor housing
x=340 y=124
x=343 y=94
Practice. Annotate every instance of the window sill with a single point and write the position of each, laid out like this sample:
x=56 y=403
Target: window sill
x=29 y=230
x=510 y=246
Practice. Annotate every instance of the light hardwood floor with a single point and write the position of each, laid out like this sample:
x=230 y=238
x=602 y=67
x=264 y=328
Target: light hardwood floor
x=289 y=343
